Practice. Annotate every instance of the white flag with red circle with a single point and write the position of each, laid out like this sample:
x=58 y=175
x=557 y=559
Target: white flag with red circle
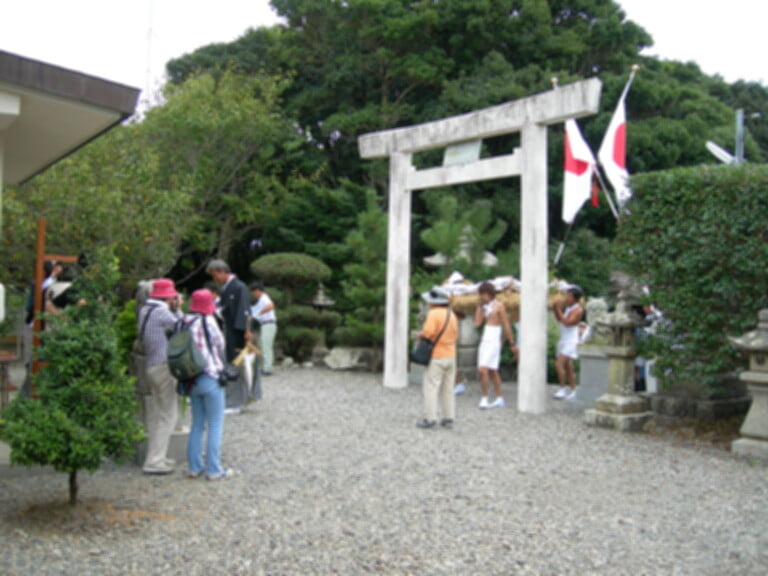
x=613 y=152
x=579 y=168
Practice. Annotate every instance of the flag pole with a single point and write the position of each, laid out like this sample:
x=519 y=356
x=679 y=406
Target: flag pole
x=604 y=188
x=632 y=73
x=560 y=248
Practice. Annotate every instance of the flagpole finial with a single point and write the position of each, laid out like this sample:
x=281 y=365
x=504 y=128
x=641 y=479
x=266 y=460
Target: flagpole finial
x=635 y=67
x=554 y=81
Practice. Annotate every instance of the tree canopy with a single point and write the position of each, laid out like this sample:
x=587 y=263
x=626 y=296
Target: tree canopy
x=254 y=149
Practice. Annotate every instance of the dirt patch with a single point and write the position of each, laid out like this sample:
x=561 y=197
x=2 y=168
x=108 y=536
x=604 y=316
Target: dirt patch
x=90 y=515
x=716 y=433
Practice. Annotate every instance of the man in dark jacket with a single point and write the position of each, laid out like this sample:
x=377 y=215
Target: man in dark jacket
x=233 y=306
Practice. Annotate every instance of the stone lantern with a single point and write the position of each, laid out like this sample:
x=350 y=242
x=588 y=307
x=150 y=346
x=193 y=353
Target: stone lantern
x=754 y=431
x=320 y=302
x=620 y=407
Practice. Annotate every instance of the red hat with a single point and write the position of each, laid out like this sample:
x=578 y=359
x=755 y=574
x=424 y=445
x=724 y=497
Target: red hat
x=163 y=289
x=202 y=302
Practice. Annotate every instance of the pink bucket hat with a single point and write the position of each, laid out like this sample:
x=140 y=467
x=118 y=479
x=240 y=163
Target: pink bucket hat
x=163 y=289
x=202 y=302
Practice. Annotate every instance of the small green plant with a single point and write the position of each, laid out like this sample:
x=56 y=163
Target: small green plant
x=85 y=410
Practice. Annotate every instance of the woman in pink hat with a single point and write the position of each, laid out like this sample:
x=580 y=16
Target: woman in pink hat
x=207 y=394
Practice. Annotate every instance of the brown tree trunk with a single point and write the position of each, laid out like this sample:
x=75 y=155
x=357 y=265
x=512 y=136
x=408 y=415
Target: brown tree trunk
x=73 y=487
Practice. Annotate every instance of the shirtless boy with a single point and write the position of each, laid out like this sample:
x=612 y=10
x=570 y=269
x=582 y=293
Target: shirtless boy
x=494 y=315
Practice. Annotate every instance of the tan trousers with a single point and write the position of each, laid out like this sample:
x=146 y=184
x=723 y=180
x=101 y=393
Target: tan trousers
x=162 y=417
x=438 y=388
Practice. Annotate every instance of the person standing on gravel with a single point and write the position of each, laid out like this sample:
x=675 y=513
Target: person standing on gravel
x=234 y=304
x=441 y=327
x=263 y=313
x=207 y=394
x=157 y=318
x=494 y=315
x=568 y=315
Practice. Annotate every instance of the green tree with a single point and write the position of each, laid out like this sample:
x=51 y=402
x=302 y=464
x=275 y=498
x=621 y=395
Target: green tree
x=228 y=132
x=364 y=290
x=112 y=192
x=291 y=272
x=86 y=406
x=298 y=276
x=462 y=233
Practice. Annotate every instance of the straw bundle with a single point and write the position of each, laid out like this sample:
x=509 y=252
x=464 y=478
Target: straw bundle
x=467 y=303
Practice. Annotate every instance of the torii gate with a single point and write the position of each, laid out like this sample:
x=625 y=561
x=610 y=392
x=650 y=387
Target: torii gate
x=529 y=116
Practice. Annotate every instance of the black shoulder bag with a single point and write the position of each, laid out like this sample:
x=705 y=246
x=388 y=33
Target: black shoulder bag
x=422 y=351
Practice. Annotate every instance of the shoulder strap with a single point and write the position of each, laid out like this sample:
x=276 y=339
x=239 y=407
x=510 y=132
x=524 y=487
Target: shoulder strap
x=207 y=335
x=188 y=325
x=144 y=323
x=447 y=318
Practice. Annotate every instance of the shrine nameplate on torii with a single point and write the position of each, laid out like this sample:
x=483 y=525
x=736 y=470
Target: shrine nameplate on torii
x=529 y=116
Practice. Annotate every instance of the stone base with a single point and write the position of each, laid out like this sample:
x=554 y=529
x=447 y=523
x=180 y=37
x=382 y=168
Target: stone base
x=621 y=422
x=674 y=407
x=593 y=379
x=750 y=448
x=621 y=404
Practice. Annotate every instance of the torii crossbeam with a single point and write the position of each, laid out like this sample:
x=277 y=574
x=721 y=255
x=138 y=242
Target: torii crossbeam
x=529 y=116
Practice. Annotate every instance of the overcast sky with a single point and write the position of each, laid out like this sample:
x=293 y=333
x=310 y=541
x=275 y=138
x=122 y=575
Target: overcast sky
x=130 y=41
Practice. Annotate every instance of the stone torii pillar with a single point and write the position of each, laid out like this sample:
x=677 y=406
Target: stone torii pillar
x=529 y=116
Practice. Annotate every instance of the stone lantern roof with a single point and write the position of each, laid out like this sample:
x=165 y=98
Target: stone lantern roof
x=755 y=340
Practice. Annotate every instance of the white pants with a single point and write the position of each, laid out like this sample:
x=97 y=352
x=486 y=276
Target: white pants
x=267 y=337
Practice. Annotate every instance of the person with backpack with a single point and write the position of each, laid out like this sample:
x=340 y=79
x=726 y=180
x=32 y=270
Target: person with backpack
x=206 y=393
x=156 y=320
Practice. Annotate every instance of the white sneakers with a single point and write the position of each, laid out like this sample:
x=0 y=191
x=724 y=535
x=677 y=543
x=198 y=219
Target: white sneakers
x=459 y=389
x=565 y=393
x=485 y=405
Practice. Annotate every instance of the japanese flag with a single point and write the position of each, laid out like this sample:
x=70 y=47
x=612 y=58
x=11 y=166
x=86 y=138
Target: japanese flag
x=579 y=168
x=613 y=153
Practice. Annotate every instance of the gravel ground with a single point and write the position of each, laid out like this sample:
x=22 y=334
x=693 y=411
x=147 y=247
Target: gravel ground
x=334 y=478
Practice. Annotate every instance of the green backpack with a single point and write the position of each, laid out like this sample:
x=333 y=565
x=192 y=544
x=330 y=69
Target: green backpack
x=185 y=360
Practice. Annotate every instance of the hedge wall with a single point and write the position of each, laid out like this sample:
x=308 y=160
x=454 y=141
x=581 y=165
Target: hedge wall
x=698 y=237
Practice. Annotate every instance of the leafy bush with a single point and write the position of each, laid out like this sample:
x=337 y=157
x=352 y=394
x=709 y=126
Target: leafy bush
x=86 y=406
x=698 y=237
x=290 y=271
x=126 y=330
x=298 y=341
x=307 y=316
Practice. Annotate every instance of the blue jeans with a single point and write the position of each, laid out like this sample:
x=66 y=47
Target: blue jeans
x=207 y=398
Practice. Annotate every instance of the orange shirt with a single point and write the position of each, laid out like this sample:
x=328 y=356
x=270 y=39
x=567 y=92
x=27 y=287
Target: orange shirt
x=446 y=346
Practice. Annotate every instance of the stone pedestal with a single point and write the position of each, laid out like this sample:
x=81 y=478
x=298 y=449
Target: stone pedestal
x=622 y=413
x=593 y=378
x=754 y=431
x=620 y=408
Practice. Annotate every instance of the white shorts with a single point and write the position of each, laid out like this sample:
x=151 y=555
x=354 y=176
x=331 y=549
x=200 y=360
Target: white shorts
x=568 y=348
x=489 y=351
